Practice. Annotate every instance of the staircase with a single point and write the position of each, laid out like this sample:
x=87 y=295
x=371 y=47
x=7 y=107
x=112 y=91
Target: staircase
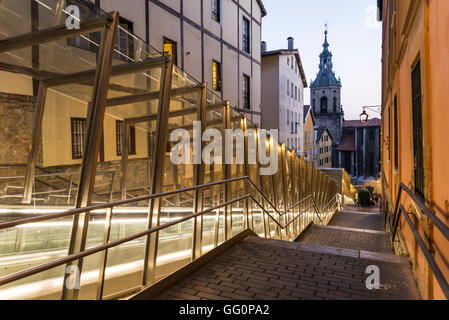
x=325 y=262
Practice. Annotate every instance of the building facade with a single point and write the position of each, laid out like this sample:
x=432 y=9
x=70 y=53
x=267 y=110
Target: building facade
x=359 y=151
x=283 y=83
x=325 y=97
x=215 y=41
x=415 y=147
x=309 y=134
x=323 y=147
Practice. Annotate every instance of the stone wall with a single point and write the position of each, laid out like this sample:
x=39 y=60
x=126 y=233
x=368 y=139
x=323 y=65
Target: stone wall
x=16 y=125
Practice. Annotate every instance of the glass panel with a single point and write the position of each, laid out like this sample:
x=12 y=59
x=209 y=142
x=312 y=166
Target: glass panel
x=175 y=247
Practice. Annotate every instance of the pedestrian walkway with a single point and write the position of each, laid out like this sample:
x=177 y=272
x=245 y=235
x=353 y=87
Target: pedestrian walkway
x=326 y=262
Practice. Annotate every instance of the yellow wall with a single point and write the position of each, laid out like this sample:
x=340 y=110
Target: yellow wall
x=308 y=137
x=419 y=30
x=322 y=143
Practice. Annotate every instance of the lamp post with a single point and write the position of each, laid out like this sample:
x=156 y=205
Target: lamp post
x=364 y=116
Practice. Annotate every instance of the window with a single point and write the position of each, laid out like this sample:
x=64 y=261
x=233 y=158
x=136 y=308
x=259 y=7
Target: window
x=119 y=138
x=124 y=44
x=292 y=89
x=418 y=150
x=170 y=47
x=216 y=76
x=288 y=61
x=296 y=68
x=296 y=93
x=216 y=10
x=78 y=127
x=90 y=42
x=396 y=139
x=323 y=105
x=246 y=92
x=296 y=124
x=335 y=105
x=288 y=87
x=288 y=117
x=246 y=37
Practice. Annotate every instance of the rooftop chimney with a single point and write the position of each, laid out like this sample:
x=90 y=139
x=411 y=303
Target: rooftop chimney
x=291 y=43
x=264 y=46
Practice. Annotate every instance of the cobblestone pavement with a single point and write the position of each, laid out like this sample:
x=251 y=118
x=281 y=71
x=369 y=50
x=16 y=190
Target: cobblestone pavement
x=263 y=269
x=328 y=263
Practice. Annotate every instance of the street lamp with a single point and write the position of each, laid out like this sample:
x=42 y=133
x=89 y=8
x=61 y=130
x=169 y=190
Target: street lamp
x=364 y=117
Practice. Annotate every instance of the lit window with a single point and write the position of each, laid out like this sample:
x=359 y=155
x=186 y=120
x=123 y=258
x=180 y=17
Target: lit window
x=170 y=48
x=216 y=76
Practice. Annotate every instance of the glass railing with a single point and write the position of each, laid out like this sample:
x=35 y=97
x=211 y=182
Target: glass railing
x=277 y=206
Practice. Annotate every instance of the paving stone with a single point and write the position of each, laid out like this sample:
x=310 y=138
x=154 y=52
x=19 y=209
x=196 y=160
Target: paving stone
x=329 y=263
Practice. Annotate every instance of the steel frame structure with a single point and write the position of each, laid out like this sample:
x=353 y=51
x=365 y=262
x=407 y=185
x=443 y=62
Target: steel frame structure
x=302 y=186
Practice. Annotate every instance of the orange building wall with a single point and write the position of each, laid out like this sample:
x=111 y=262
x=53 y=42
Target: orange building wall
x=404 y=40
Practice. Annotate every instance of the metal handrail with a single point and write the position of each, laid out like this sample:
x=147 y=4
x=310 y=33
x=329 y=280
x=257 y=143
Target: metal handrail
x=428 y=255
x=56 y=215
x=399 y=208
x=438 y=223
x=94 y=250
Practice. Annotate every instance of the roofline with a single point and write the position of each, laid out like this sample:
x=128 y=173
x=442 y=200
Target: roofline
x=310 y=111
x=298 y=59
x=262 y=7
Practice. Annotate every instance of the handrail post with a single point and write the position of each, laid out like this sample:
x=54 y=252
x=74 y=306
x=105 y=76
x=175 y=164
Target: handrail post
x=265 y=222
x=124 y=159
x=247 y=210
x=199 y=176
x=95 y=119
x=396 y=215
x=227 y=174
x=293 y=183
x=32 y=154
x=283 y=157
x=157 y=171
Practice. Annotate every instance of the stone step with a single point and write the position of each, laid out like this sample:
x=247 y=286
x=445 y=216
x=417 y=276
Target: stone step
x=264 y=269
x=346 y=238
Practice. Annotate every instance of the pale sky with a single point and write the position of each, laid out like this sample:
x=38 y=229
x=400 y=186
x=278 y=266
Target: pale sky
x=354 y=38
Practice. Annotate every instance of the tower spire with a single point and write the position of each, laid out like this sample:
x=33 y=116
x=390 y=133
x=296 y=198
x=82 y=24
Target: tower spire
x=326 y=44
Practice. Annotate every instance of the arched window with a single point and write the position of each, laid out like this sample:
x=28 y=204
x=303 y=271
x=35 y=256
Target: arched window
x=335 y=105
x=323 y=105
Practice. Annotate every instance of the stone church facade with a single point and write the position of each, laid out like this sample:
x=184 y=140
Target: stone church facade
x=325 y=96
